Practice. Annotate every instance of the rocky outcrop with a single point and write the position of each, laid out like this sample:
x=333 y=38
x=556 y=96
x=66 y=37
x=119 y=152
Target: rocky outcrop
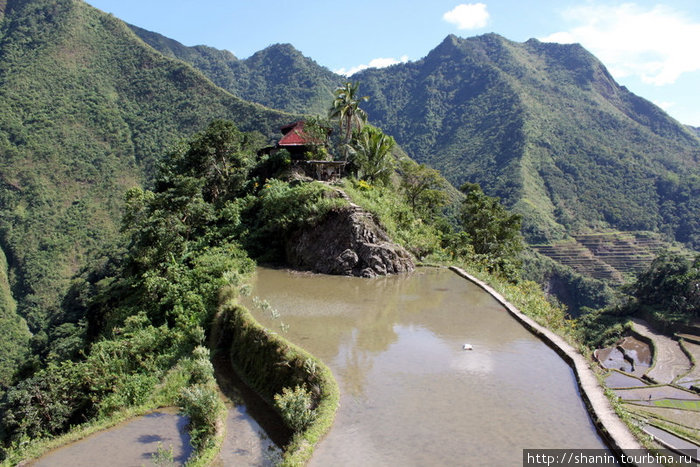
x=347 y=242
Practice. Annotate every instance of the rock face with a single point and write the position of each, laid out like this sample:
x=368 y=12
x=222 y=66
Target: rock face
x=347 y=242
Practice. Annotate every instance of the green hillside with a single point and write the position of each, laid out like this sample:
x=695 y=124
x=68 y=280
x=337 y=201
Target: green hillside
x=85 y=106
x=15 y=336
x=545 y=127
x=279 y=76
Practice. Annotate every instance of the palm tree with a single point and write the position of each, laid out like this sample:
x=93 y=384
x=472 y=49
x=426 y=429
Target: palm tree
x=371 y=154
x=346 y=108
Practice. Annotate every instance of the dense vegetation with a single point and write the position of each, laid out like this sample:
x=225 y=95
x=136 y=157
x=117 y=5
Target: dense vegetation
x=129 y=330
x=133 y=320
x=85 y=109
x=279 y=77
x=488 y=110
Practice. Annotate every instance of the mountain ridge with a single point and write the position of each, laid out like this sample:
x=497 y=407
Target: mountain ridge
x=303 y=87
x=544 y=126
x=516 y=126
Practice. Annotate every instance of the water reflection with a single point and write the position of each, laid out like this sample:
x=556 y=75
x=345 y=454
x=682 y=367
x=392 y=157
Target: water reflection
x=409 y=393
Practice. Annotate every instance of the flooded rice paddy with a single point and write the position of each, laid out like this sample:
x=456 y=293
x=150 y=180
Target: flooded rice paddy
x=410 y=394
x=132 y=443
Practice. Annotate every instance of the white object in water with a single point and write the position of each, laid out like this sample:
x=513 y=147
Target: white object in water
x=467 y=347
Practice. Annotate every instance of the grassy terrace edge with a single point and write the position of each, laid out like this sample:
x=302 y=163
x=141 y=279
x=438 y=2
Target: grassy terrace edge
x=267 y=362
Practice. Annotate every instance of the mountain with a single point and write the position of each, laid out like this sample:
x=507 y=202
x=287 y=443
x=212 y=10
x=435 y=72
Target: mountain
x=543 y=126
x=87 y=104
x=279 y=77
x=85 y=109
x=546 y=128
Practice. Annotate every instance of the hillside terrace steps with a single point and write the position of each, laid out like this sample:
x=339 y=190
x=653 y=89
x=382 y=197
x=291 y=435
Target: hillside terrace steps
x=610 y=255
x=665 y=400
x=670 y=362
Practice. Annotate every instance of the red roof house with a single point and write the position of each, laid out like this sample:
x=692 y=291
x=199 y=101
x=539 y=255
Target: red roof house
x=294 y=135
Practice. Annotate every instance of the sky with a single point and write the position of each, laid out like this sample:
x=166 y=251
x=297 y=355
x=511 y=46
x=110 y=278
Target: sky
x=651 y=47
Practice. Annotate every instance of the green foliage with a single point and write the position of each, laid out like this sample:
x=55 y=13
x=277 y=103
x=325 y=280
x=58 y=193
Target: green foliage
x=669 y=289
x=279 y=209
x=396 y=216
x=370 y=153
x=118 y=372
x=146 y=305
x=573 y=290
x=545 y=128
x=85 y=109
x=672 y=285
x=269 y=364
x=601 y=328
x=295 y=406
x=200 y=401
x=203 y=407
x=490 y=231
x=163 y=456
x=15 y=340
x=304 y=87
x=425 y=188
x=346 y=109
x=221 y=156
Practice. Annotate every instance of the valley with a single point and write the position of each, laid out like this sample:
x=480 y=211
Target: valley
x=143 y=183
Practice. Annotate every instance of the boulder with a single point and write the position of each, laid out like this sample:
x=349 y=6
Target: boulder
x=347 y=242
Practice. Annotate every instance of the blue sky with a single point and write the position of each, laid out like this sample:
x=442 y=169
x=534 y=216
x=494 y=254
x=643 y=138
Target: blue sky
x=652 y=47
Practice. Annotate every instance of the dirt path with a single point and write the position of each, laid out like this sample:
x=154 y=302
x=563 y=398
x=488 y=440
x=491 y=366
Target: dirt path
x=669 y=360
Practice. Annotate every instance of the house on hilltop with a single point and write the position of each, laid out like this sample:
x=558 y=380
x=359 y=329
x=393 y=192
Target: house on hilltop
x=308 y=150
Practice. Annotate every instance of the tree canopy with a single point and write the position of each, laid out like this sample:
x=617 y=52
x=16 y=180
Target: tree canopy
x=491 y=231
x=346 y=109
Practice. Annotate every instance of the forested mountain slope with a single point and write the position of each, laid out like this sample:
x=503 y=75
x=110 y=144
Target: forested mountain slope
x=85 y=107
x=545 y=127
x=279 y=76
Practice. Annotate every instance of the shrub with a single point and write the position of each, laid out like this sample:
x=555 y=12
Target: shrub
x=295 y=406
x=202 y=405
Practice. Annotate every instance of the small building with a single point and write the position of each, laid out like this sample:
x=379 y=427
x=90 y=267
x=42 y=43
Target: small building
x=326 y=170
x=295 y=140
x=300 y=145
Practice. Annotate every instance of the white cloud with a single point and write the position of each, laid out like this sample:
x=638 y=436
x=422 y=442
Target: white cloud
x=666 y=105
x=374 y=63
x=657 y=45
x=468 y=16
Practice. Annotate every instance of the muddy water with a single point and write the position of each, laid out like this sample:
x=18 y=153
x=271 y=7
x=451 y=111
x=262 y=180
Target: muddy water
x=618 y=380
x=613 y=359
x=132 y=443
x=409 y=394
x=638 y=351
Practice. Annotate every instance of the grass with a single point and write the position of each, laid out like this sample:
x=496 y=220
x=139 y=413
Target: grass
x=678 y=404
x=268 y=362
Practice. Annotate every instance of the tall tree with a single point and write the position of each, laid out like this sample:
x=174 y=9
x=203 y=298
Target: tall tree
x=424 y=187
x=492 y=231
x=219 y=157
x=346 y=108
